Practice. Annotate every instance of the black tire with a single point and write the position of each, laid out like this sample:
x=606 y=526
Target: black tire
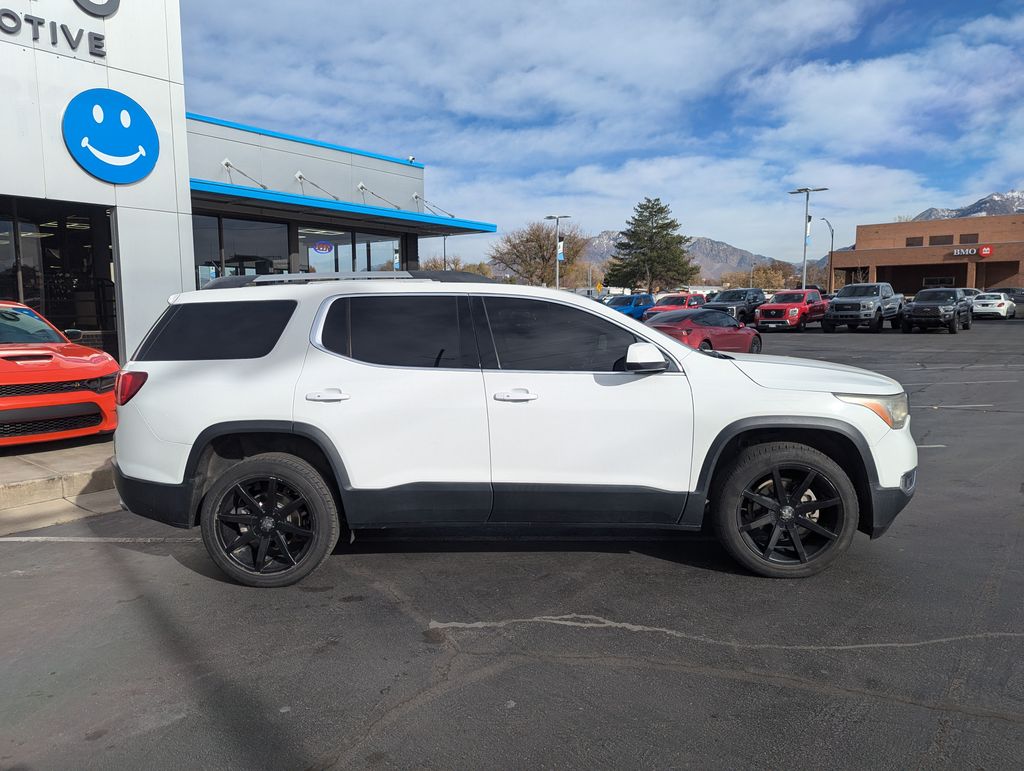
x=896 y=321
x=828 y=327
x=876 y=323
x=953 y=326
x=705 y=345
x=852 y=327
x=970 y=320
x=296 y=517
x=906 y=326
x=801 y=325
x=755 y=344
x=783 y=539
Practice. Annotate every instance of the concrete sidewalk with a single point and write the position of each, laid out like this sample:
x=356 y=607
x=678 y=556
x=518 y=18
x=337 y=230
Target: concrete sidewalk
x=44 y=484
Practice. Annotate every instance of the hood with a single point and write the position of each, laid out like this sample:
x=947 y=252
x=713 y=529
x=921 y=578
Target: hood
x=716 y=305
x=35 y=363
x=779 y=306
x=931 y=303
x=791 y=374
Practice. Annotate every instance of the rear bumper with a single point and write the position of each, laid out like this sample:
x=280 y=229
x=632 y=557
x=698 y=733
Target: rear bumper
x=170 y=504
x=887 y=502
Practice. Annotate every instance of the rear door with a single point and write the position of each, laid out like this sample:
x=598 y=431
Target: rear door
x=816 y=308
x=565 y=416
x=395 y=383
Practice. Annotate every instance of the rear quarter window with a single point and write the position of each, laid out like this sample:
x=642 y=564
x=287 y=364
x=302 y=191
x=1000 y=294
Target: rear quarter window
x=248 y=329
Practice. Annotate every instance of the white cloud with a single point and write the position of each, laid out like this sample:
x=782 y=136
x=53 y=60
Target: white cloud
x=587 y=107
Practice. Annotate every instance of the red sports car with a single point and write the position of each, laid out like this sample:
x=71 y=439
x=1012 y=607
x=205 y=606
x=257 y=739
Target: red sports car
x=50 y=387
x=674 y=302
x=708 y=330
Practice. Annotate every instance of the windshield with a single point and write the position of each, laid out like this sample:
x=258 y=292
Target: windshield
x=672 y=299
x=733 y=295
x=989 y=297
x=617 y=302
x=858 y=290
x=21 y=325
x=935 y=296
x=789 y=297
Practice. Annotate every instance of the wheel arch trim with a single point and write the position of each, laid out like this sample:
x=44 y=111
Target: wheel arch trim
x=693 y=513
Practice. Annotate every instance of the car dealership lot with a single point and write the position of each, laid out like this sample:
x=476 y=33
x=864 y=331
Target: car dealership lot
x=625 y=650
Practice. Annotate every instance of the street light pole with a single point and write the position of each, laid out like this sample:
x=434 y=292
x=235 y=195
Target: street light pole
x=831 y=249
x=444 y=252
x=806 y=192
x=556 y=218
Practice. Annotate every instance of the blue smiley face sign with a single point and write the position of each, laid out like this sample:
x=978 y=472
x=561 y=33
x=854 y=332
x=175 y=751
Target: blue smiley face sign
x=110 y=136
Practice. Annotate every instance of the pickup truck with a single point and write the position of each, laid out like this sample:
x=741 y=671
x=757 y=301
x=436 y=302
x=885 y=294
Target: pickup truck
x=869 y=304
x=738 y=303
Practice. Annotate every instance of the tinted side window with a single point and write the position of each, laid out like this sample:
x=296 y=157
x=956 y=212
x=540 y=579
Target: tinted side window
x=813 y=297
x=540 y=335
x=248 y=329
x=402 y=331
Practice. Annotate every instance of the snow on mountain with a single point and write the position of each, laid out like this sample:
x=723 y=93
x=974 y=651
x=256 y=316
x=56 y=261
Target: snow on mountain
x=1010 y=202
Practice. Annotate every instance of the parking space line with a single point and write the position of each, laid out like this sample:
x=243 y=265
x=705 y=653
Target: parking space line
x=948 y=406
x=930 y=446
x=90 y=539
x=961 y=382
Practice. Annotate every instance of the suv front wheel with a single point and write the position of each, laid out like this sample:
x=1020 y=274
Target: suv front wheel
x=269 y=520
x=785 y=510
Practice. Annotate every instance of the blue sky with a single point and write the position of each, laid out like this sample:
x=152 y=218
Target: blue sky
x=716 y=106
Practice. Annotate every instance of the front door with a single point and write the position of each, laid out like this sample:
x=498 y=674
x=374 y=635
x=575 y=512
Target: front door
x=395 y=383
x=574 y=437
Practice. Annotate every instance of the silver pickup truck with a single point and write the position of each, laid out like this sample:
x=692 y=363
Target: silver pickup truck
x=868 y=304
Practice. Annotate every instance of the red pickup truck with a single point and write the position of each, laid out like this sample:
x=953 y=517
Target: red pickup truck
x=791 y=309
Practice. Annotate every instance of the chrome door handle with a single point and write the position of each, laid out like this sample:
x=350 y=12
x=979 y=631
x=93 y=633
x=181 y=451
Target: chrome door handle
x=515 y=395
x=327 y=395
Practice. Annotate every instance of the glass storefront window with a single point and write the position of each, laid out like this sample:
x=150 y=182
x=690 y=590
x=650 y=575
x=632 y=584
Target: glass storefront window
x=66 y=261
x=252 y=247
x=324 y=251
x=375 y=252
x=206 y=242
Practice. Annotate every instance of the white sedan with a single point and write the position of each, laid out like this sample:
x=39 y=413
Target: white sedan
x=994 y=304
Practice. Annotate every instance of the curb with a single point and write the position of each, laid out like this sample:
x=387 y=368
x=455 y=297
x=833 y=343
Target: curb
x=56 y=487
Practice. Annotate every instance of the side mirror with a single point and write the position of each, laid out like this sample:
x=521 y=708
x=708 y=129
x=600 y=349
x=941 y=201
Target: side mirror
x=74 y=335
x=645 y=358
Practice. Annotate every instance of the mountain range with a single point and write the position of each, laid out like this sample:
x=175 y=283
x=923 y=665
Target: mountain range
x=714 y=257
x=718 y=257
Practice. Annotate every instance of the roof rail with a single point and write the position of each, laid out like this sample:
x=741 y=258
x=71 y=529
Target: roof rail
x=451 y=276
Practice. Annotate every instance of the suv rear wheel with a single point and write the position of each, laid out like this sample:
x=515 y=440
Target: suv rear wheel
x=785 y=510
x=269 y=520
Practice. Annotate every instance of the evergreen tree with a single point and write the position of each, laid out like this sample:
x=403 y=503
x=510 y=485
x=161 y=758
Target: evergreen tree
x=650 y=252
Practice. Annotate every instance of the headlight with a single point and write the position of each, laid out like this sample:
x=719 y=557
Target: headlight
x=948 y=308
x=892 y=409
x=732 y=310
x=794 y=312
x=868 y=305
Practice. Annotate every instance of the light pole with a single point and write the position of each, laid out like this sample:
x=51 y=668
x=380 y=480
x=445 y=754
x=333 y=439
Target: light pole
x=806 y=192
x=556 y=218
x=444 y=252
x=831 y=248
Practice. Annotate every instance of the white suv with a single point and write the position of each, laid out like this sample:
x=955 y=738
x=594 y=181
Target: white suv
x=273 y=411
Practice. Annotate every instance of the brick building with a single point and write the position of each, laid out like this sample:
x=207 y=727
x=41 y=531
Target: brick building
x=978 y=252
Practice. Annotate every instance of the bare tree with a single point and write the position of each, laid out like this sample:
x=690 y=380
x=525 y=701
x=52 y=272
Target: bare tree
x=528 y=254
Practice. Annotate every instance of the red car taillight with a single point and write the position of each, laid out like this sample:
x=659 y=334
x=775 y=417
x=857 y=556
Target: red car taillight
x=127 y=385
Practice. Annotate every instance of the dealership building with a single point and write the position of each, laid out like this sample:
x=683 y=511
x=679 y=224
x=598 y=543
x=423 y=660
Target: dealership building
x=113 y=197
x=982 y=252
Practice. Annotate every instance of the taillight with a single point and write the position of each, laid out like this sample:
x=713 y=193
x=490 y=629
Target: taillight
x=1001 y=305
x=127 y=385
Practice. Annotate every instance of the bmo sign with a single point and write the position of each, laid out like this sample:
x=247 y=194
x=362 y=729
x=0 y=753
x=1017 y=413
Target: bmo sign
x=980 y=251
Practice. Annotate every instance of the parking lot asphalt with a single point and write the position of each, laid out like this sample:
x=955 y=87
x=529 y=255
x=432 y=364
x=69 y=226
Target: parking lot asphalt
x=433 y=651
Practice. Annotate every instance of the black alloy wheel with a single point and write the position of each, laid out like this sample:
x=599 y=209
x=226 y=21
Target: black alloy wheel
x=269 y=520
x=785 y=510
x=755 y=344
